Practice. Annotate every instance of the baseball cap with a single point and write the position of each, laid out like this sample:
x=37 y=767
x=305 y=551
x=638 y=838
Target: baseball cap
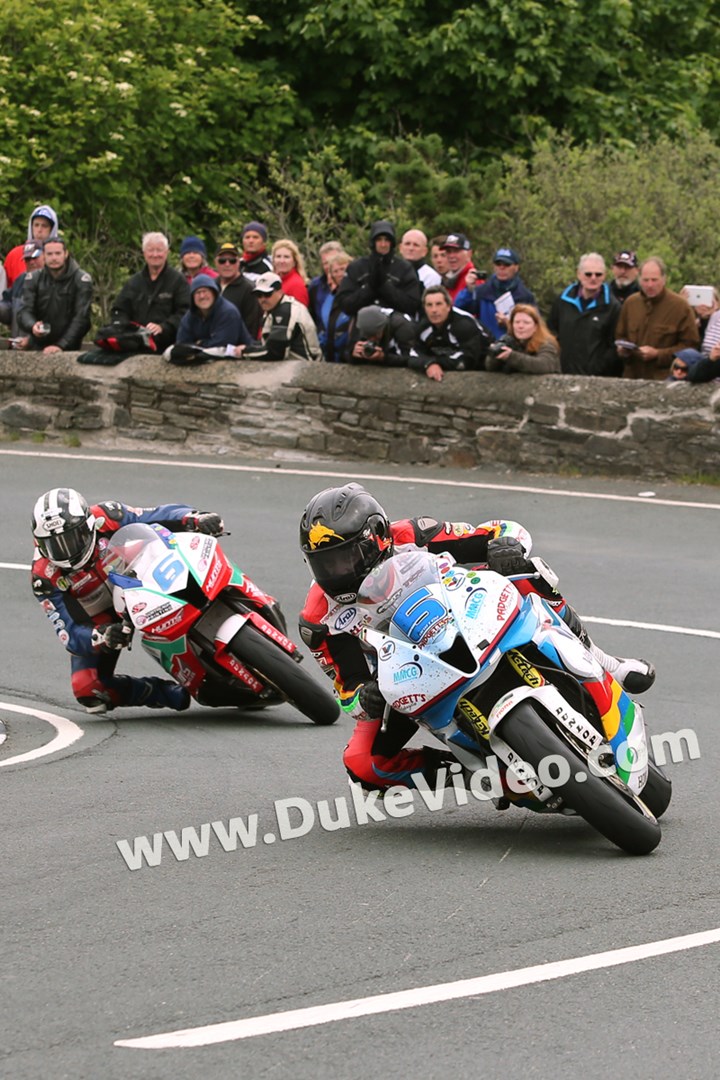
x=625 y=258
x=457 y=240
x=227 y=249
x=267 y=284
x=32 y=250
x=506 y=255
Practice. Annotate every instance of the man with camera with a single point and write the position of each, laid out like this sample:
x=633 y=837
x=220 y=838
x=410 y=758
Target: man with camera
x=381 y=336
x=448 y=339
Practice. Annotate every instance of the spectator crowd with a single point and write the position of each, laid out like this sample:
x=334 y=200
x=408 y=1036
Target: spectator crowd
x=414 y=302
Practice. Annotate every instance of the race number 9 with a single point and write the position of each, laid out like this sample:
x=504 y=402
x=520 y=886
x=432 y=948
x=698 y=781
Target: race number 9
x=418 y=614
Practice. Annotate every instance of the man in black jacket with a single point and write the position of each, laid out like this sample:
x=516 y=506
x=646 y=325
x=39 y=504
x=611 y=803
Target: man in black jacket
x=235 y=287
x=380 y=278
x=381 y=337
x=583 y=318
x=55 y=308
x=448 y=339
x=148 y=310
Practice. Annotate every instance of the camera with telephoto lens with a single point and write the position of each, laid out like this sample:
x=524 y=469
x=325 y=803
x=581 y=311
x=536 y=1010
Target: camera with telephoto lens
x=368 y=349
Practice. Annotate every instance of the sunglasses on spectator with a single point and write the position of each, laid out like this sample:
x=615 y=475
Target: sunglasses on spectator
x=593 y=273
x=680 y=367
x=227 y=259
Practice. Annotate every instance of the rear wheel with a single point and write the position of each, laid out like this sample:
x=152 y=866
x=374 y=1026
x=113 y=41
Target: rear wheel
x=620 y=818
x=658 y=790
x=280 y=671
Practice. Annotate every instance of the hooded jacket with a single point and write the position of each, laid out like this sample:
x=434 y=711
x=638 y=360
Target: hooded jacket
x=222 y=325
x=387 y=280
x=14 y=262
x=63 y=302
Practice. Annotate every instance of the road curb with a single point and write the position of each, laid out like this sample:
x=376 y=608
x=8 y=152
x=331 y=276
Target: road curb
x=3 y=732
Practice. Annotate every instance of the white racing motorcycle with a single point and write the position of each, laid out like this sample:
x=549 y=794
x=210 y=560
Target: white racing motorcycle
x=211 y=628
x=516 y=697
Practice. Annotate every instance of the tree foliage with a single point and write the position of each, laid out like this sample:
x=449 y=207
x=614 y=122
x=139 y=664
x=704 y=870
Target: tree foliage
x=501 y=72
x=658 y=198
x=557 y=128
x=136 y=111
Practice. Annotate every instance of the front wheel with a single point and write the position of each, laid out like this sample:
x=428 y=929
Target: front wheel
x=616 y=814
x=280 y=671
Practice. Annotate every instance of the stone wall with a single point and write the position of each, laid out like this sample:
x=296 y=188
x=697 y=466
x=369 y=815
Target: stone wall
x=555 y=423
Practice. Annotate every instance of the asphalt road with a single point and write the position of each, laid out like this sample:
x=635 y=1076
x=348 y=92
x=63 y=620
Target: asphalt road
x=94 y=953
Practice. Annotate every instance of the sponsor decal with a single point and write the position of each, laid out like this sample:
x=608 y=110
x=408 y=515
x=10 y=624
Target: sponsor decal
x=63 y=636
x=157 y=612
x=475 y=717
x=406 y=672
x=243 y=674
x=525 y=669
x=386 y=650
x=184 y=675
x=346 y=598
x=434 y=630
x=408 y=701
x=251 y=590
x=345 y=617
x=474 y=602
x=207 y=548
x=584 y=730
x=83 y=579
x=194 y=543
x=389 y=602
x=137 y=608
x=214 y=573
x=504 y=602
x=461 y=528
x=47 y=606
x=167 y=624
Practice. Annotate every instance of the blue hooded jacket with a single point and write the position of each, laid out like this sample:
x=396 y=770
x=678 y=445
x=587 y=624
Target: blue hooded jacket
x=223 y=325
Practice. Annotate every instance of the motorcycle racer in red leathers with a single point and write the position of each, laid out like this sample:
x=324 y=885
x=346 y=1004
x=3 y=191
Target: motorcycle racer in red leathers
x=344 y=533
x=69 y=582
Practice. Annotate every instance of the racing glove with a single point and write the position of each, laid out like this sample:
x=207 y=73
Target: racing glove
x=506 y=555
x=204 y=522
x=371 y=700
x=113 y=637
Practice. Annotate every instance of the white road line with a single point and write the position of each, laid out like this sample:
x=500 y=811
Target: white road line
x=282 y=470
x=663 y=628
x=410 y=999
x=67 y=733
x=15 y=566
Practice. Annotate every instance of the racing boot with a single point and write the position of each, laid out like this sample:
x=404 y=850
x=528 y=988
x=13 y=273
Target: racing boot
x=635 y=676
x=156 y=693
